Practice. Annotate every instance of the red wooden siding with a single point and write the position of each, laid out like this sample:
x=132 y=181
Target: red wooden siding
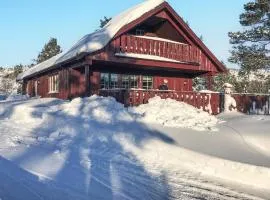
x=77 y=83
x=245 y=102
x=43 y=85
x=95 y=82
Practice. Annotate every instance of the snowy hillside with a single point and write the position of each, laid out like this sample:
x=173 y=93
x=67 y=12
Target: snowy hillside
x=7 y=82
x=95 y=148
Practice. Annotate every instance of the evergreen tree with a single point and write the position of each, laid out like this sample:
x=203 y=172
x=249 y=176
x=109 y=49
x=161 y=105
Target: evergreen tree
x=201 y=37
x=104 y=21
x=49 y=50
x=17 y=70
x=221 y=79
x=251 y=47
x=199 y=83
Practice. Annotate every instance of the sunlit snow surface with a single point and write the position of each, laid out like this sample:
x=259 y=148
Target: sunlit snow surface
x=95 y=148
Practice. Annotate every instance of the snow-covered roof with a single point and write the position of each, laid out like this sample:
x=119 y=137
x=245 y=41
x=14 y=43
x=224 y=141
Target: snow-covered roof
x=99 y=39
x=39 y=67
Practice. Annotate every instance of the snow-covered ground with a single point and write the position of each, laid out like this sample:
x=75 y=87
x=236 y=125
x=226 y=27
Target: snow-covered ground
x=94 y=147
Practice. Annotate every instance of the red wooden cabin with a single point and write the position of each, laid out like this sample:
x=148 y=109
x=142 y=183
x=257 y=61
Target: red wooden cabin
x=136 y=51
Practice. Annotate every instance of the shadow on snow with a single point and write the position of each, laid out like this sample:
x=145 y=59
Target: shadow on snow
x=90 y=160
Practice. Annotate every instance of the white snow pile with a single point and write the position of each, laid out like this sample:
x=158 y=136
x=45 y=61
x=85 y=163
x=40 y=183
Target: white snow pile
x=99 y=109
x=17 y=97
x=172 y=113
x=95 y=147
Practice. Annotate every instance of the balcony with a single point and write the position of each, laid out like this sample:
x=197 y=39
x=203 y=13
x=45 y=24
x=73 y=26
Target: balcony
x=156 y=49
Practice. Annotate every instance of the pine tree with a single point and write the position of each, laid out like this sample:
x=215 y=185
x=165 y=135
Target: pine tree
x=251 y=47
x=17 y=70
x=221 y=79
x=49 y=50
x=104 y=21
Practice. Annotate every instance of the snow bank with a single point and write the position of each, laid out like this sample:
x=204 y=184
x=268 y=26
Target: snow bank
x=171 y=113
x=100 y=109
x=2 y=97
x=17 y=97
x=189 y=160
x=82 y=141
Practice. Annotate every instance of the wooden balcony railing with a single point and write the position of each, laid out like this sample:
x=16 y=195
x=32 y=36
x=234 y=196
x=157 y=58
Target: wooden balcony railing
x=207 y=102
x=162 y=48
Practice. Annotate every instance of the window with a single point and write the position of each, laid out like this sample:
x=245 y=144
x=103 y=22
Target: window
x=147 y=82
x=129 y=82
x=140 y=32
x=108 y=81
x=54 y=83
x=133 y=82
x=104 y=81
x=125 y=81
x=113 y=81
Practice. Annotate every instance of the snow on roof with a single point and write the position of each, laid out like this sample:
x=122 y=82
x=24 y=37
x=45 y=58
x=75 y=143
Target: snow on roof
x=99 y=39
x=39 y=67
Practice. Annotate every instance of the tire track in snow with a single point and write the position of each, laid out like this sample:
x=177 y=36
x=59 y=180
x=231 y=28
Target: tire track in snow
x=251 y=147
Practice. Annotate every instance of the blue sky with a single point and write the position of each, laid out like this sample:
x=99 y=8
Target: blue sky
x=27 y=25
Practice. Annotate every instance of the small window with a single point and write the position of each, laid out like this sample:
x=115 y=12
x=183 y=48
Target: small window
x=140 y=32
x=147 y=82
x=54 y=83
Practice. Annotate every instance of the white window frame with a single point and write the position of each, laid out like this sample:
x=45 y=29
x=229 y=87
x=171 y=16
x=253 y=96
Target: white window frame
x=149 y=80
x=114 y=81
x=109 y=81
x=54 y=83
x=131 y=82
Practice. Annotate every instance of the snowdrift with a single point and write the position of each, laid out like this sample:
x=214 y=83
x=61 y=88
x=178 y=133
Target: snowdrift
x=97 y=135
x=171 y=113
